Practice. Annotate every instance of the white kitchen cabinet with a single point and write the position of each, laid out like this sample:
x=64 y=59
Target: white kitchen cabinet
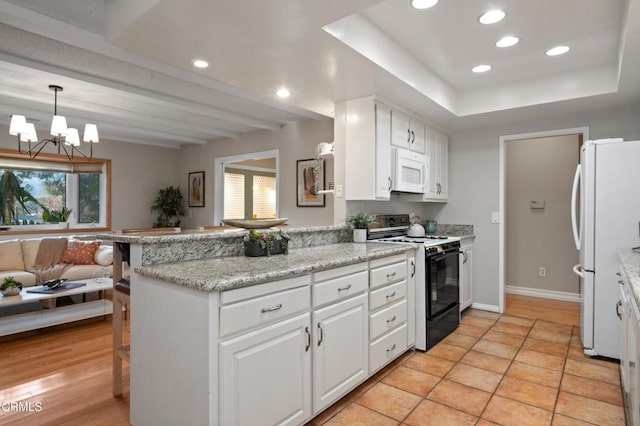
x=629 y=316
x=407 y=132
x=256 y=363
x=367 y=133
x=442 y=165
x=340 y=349
x=466 y=273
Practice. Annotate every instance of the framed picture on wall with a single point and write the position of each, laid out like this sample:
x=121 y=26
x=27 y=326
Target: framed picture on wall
x=308 y=183
x=196 y=189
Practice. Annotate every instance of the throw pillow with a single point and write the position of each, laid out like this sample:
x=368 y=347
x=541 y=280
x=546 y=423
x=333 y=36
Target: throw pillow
x=11 y=256
x=80 y=252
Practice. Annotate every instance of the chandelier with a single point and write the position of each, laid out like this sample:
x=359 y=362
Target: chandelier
x=65 y=139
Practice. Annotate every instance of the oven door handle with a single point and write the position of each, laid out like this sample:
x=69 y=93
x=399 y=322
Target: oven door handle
x=436 y=258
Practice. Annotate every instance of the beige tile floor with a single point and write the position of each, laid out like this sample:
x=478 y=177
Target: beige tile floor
x=494 y=369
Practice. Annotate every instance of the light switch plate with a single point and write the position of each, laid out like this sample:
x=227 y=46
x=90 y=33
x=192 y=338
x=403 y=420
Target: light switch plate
x=339 y=193
x=495 y=217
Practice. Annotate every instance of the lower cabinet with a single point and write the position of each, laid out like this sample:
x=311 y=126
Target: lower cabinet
x=466 y=273
x=629 y=315
x=256 y=363
x=339 y=349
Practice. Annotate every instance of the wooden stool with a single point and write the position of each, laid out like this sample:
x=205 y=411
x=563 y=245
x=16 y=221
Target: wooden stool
x=121 y=298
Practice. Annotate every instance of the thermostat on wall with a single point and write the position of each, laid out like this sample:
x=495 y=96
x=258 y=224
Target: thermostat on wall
x=536 y=204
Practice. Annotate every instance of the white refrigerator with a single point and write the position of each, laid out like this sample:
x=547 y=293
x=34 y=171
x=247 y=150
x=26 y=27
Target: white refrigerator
x=605 y=209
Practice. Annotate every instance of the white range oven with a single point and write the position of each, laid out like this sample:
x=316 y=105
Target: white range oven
x=437 y=278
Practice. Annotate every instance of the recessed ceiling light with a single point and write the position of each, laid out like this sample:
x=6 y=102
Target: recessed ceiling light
x=200 y=63
x=283 y=92
x=423 y=4
x=558 y=50
x=507 y=41
x=492 y=16
x=481 y=68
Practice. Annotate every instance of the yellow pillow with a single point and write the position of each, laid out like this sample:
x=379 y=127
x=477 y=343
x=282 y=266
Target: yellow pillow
x=11 y=256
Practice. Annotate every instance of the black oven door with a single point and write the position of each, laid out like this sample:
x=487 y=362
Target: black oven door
x=442 y=282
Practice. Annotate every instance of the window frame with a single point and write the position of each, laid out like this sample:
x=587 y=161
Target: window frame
x=72 y=200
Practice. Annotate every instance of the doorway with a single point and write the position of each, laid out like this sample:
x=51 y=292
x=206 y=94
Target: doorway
x=534 y=218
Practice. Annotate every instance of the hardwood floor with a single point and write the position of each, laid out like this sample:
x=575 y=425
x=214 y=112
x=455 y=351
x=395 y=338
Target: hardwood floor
x=65 y=375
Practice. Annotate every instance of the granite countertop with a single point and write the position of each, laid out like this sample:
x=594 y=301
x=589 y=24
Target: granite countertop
x=225 y=273
x=196 y=235
x=630 y=263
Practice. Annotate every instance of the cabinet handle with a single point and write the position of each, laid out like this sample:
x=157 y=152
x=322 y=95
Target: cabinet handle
x=389 y=296
x=413 y=136
x=620 y=282
x=392 y=348
x=391 y=276
x=392 y=319
x=409 y=135
x=321 y=337
x=413 y=269
x=308 y=345
x=618 y=274
x=390 y=182
x=346 y=287
x=275 y=308
x=618 y=306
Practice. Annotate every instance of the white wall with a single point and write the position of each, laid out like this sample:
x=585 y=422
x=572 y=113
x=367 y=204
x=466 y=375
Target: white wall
x=295 y=140
x=137 y=173
x=541 y=169
x=474 y=179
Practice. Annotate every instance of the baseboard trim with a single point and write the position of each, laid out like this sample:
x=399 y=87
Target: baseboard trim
x=483 y=307
x=545 y=294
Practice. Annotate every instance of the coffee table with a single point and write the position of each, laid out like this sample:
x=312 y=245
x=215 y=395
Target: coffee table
x=56 y=315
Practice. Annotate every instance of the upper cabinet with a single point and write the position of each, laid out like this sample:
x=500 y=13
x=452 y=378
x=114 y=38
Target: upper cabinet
x=371 y=128
x=407 y=132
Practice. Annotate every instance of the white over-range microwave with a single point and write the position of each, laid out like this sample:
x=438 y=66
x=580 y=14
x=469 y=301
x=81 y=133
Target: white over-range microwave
x=410 y=171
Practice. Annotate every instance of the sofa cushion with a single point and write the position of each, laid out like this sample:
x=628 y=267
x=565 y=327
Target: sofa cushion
x=11 y=256
x=29 y=252
x=26 y=278
x=80 y=252
x=86 y=272
x=104 y=255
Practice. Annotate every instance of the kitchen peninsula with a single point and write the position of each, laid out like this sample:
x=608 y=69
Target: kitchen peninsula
x=219 y=338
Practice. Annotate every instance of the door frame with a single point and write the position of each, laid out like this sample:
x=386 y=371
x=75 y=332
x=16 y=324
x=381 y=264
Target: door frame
x=502 y=197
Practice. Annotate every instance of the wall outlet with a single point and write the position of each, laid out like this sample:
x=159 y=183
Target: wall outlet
x=495 y=217
x=542 y=271
x=339 y=193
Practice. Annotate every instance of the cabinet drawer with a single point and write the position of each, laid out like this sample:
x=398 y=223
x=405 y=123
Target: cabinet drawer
x=387 y=348
x=339 y=288
x=386 y=295
x=262 y=310
x=386 y=319
x=388 y=274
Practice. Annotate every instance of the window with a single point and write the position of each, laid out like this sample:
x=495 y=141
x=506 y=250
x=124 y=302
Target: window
x=34 y=193
x=233 y=196
x=249 y=194
x=264 y=197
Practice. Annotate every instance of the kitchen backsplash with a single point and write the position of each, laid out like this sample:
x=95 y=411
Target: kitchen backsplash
x=454 y=230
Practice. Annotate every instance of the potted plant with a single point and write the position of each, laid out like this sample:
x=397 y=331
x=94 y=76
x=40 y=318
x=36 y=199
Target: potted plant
x=58 y=216
x=169 y=204
x=360 y=222
x=265 y=243
x=10 y=287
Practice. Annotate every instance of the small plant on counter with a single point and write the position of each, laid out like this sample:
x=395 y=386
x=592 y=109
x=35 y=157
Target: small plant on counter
x=10 y=287
x=361 y=220
x=267 y=242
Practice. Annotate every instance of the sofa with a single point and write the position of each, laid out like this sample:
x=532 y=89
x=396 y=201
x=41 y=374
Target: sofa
x=19 y=256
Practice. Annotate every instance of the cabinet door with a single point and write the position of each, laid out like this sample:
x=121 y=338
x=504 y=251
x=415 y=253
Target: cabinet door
x=622 y=310
x=633 y=345
x=256 y=363
x=411 y=301
x=340 y=341
x=417 y=136
x=466 y=286
x=383 y=152
x=432 y=153
x=400 y=131
x=443 y=165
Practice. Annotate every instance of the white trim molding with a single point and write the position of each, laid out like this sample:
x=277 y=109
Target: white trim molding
x=483 y=307
x=502 y=196
x=545 y=294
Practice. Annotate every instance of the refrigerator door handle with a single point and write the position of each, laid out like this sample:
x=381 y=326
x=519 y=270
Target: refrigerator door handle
x=578 y=270
x=574 y=210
